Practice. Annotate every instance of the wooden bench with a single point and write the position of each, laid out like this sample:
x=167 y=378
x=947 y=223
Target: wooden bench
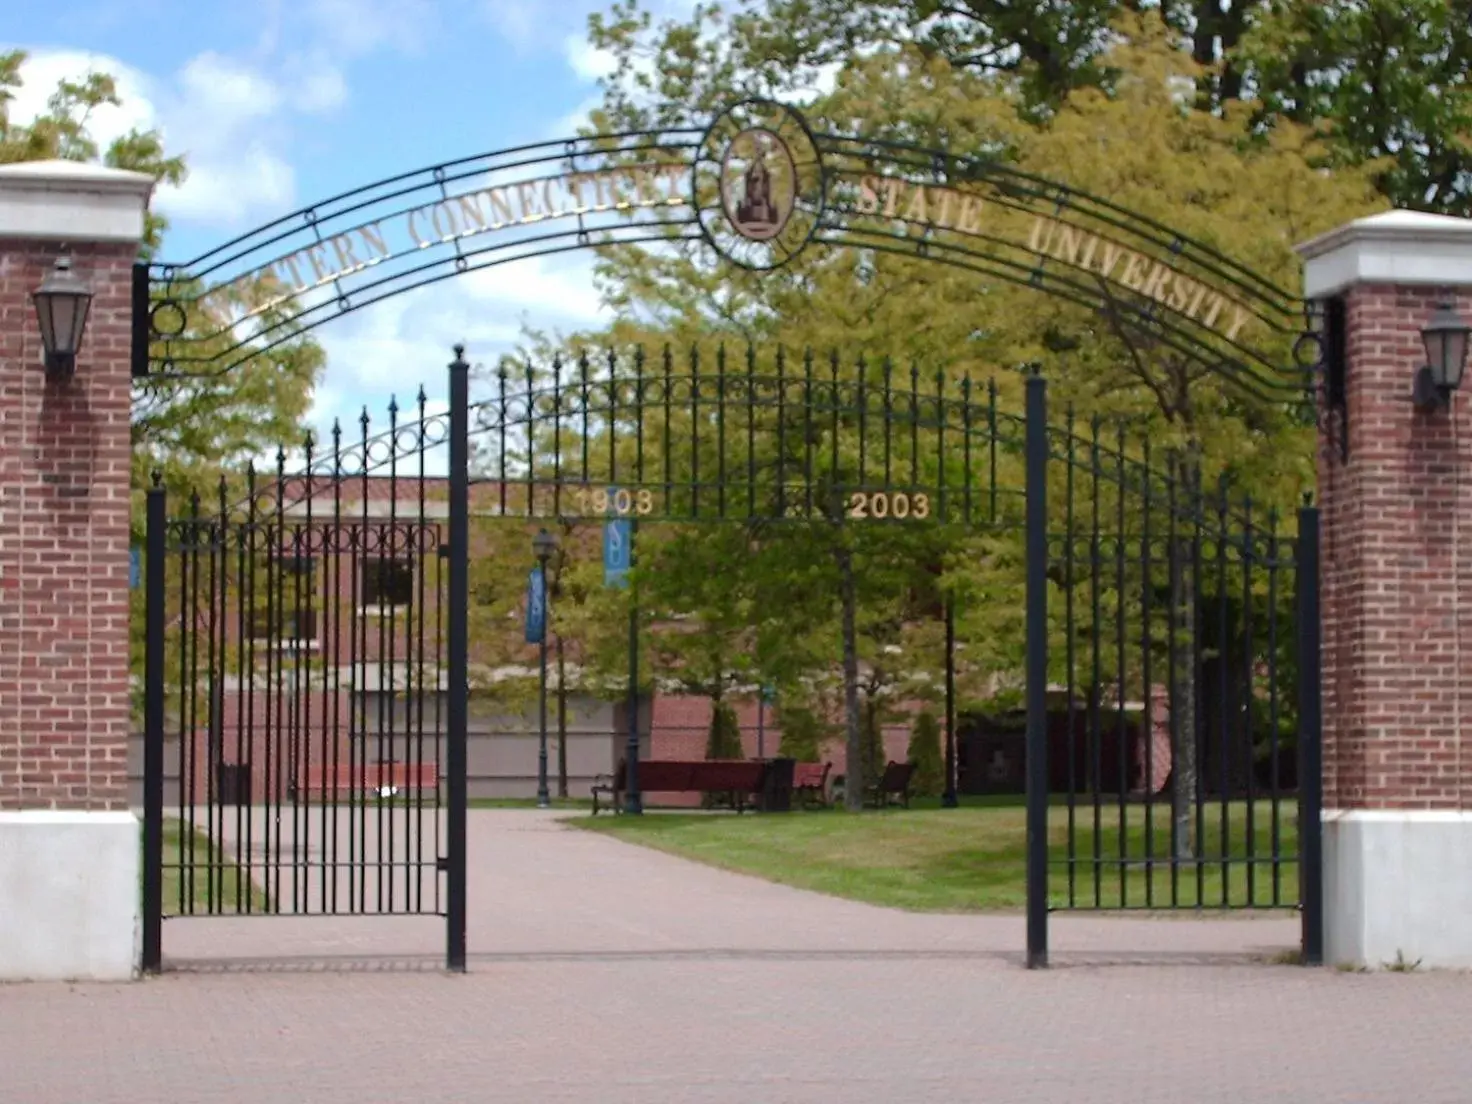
x=810 y=783
x=334 y=781
x=735 y=780
x=893 y=783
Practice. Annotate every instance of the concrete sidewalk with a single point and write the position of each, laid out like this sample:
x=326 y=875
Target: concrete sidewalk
x=604 y=971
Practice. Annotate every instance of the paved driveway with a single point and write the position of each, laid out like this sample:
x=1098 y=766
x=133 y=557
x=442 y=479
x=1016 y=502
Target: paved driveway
x=605 y=972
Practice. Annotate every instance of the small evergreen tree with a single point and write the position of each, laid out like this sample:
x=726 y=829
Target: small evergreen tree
x=724 y=740
x=925 y=752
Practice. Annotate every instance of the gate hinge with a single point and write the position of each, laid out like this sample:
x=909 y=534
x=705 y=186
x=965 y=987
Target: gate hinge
x=444 y=551
x=442 y=864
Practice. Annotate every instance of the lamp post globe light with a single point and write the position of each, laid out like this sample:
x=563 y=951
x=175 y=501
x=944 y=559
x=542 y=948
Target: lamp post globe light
x=1445 y=340
x=62 y=303
x=544 y=547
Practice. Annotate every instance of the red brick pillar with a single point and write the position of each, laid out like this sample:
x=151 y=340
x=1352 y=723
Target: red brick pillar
x=1397 y=605
x=69 y=846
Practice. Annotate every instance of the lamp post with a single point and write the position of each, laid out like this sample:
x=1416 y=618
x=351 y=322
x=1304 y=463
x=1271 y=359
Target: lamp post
x=62 y=302
x=544 y=545
x=1445 y=340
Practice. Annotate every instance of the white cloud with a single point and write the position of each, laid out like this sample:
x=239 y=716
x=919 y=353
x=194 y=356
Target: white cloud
x=362 y=26
x=587 y=61
x=211 y=112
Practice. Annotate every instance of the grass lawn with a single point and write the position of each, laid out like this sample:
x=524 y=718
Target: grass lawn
x=582 y=804
x=974 y=858
x=199 y=880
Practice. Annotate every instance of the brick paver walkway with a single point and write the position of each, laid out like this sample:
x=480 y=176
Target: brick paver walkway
x=606 y=972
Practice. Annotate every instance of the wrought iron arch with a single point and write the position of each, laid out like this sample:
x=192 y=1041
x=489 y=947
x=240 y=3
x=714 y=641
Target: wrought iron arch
x=208 y=315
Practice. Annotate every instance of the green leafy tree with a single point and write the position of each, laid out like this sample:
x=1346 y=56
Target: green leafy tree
x=803 y=734
x=723 y=741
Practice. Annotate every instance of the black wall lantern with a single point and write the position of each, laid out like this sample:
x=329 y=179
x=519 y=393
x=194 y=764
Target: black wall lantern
x=1445 y=338
x=62 y=302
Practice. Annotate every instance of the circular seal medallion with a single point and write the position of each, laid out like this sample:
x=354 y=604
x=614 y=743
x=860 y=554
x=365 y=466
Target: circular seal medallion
x=758 y=183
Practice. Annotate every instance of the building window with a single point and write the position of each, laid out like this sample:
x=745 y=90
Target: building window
x=285 y=602
x=384 y=582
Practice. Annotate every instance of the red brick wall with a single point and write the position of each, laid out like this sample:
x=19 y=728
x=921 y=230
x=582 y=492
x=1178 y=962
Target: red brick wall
x=1397 y=554
x=64 y=507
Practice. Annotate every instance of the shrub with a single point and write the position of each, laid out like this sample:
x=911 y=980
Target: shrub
x=925 y=752
x=724 y=739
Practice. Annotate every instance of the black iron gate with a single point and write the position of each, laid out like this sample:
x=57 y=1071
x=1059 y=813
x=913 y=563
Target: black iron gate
x=308 y=651
x=1173 y=727
x=303 y=743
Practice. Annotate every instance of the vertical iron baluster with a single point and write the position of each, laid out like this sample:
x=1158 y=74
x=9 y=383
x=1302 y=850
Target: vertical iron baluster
x=341 y=544
x=750 y=430
x=941 y=415
x=358 y=734
x=1198 y=676
x=1275 y=783
x=584 y=390
x=556 y=435
x=1070 y=461
x=638 y=443
x=669 y=478
x=309 y=614
x=1173 y=673
x=1249 y=681
x=781 y=431
x=1121 y=732
x=248 y=661
x=427 y=550
x=966 y=447
x=888 y=399
x=807 y=431
x=833 y=430
x=189 y=706
x=387 y=661
x=694 y=434
x=991 y=444
x=1096 y=721
x=243 y=734
x=612 y=359
x=154 y=702
x=458 y=665
x=721 y=431
x=914 y=425
x=834 y=488
x=1037 y=671
x=531 y=442
x=214 y=737
x=862 y=393
x=1223 y=719
x=501 y=437
x=278 y=744
x=1146 y=646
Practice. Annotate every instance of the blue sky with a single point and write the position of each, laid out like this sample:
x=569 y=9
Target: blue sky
x=277 y=103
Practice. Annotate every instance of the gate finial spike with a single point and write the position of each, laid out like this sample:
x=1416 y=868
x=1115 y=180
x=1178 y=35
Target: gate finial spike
x=158 y=478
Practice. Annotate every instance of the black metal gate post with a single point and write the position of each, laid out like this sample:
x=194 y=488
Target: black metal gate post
x=1037 y=671
x=1310 y=739
x=633 y=799
x=458 y=706
x=153 y=728
x=948 y=799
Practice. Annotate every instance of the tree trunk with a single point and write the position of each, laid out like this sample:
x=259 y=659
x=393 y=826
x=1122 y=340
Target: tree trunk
x=853 y=785
x=561 y=719
x=1183 y=697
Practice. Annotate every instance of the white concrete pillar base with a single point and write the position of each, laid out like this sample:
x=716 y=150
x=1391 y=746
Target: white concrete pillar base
x=1398 y=888
x=70 y=904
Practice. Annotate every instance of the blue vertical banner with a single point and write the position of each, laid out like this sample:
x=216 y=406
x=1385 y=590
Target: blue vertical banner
x=618 y=544
x=536 y=606
x=135 y=567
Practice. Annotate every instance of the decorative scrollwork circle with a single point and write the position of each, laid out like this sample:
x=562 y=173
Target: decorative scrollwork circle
x=167 y=318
